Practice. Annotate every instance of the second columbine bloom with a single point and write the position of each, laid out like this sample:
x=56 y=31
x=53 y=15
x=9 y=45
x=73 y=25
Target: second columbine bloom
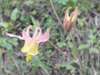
x=70 y=19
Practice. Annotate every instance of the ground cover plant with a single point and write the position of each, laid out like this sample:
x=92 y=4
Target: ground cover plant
x=49 y=37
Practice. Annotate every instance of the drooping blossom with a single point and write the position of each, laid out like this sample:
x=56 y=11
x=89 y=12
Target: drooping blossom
x=31 y=43
x=69 y=20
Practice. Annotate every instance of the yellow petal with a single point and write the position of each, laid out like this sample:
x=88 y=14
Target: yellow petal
x=31 y=48
x=25 y=48
x=34 y=51
x=74 y=14
x=28 y=58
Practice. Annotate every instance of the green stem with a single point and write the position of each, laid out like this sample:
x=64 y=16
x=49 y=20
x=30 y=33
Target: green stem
x=40 y=64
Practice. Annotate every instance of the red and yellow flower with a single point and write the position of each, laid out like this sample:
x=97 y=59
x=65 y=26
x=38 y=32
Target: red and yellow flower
x=69 y=20
x=31 y=44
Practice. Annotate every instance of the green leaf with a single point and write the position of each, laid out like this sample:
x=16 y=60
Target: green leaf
x=83 y=46
x=92 y=38
x=68 y=66
x=15 y=14
x=75 y=2
x=5 y=44
x=49 y=22
x=37 y=63
x=62 y=2
x=74 y=52
x=13 y=41
x=34 y=21
x=7 y=25
x=94 y=50
x=61 y=44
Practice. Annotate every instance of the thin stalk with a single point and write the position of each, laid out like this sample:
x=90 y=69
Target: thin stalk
x=54 y=11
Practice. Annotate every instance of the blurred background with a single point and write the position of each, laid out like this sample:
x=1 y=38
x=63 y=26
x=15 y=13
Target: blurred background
x=66 y=53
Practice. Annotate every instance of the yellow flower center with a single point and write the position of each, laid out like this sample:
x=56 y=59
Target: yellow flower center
x=31 y=49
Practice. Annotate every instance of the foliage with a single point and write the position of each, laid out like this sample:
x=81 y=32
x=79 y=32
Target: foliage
x=66 y=53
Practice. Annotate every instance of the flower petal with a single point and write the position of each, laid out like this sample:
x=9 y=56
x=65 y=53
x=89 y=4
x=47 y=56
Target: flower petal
x=31 y=48
x=26 y=34
x=28 y=58
x=74 y=14
x=44 y=37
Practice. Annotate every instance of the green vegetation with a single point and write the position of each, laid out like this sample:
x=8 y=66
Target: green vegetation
x=76 y=52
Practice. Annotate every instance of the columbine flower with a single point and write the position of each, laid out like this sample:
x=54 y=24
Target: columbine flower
x=69 y=20
x=31 y=44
